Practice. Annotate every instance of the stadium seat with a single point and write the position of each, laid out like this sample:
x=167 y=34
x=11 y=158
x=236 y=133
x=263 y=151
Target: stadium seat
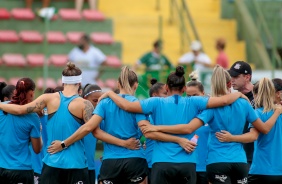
x=8 y=36
x=59 y=82
x=113 y=61
x=58 y=60
x=111 y=83
x=70 y=14
x=4 y=14
x=102 y=38
x=74 y=37
x=100 y=83
x=35 y=59
x=22 y=14
x=93 y=15
x=14 y=60
x=50 y=83
x=56 y=37
x=14 y=80
x=2 y=79
x=31 y=36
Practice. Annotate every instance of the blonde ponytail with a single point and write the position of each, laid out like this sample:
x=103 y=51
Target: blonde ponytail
x=219 y=80
x=127 y=79
x=265 y=95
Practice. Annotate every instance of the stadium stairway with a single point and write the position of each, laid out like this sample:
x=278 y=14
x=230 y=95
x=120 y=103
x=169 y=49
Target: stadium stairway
x=137 y=27
x=206 y=15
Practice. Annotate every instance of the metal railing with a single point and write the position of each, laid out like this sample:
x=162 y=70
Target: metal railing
x=187 y=28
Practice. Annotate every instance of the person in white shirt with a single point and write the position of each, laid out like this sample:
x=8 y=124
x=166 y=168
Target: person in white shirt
x=196 y=57
x=89 y=58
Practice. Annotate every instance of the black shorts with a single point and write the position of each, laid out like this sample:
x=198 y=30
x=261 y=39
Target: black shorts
x=202 y=178
x=92 y=176
x=171 y=173
x=219 y=173
x=36 y=177
x=149 y=175
x=123 y=171
x=262 y=179
x=52 y=175
x=16 y=176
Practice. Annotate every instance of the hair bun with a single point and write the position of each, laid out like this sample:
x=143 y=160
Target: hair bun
x=70 y=65
x=179 y=71
x=153 y=81
x=194 y=75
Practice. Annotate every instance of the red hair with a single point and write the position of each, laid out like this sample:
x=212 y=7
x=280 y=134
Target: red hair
x=23 y=86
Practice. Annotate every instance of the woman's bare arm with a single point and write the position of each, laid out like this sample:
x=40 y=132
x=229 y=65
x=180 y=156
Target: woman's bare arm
x=224 y=100
x=225 y=136
x=123 y=103
x=35 y=106
x=189 y=128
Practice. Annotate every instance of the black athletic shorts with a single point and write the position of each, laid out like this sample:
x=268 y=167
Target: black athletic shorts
x=52 y=175
x=202 y=178
x=219 y=173
x=92 y=176
x=123 y=171
x=172 y=173
x=9 y=176
x=149 y=175
x=262 y=179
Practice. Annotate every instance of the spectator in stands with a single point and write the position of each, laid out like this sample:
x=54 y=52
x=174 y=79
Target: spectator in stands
x=196 y=57
x=154 y=60
x=79 y=4
x=45 y=3
x=221 y=59
x=89 y=58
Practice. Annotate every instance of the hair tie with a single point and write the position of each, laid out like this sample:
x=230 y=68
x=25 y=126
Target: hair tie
x=22 y=82
x=92 y=92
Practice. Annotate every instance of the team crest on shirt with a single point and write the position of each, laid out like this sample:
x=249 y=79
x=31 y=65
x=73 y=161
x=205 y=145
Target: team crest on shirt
x=136 y=179
x=237 y=66
x=243 y=181
x=221 y=178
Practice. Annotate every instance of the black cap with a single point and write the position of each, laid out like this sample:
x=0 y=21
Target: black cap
x=240 y=67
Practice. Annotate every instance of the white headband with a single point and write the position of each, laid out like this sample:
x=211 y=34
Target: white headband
x=92 y=92
x=71 y=79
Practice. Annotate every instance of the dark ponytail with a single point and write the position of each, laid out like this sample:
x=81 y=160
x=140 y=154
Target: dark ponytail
x=156 y=86
x=2 y=86
x=176 y=80
x=23 y=86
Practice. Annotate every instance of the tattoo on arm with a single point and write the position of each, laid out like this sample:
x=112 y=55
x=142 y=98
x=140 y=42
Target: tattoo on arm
x=38 y=106
x=88 y=110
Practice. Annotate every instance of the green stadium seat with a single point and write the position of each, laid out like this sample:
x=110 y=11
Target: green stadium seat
x=113 y=61
x=93 y=15
x=56 y=37
x=31 y=36
x=70 y=14
x=58 y=59
x=8 y=36
x=14 y=59
x=102 y=38
x=50 y=83
x=4 y=14
x=74 y=37
x=35 y=59
x=22 y=14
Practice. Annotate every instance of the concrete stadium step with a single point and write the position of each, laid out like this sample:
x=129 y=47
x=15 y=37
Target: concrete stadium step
x=206 y=15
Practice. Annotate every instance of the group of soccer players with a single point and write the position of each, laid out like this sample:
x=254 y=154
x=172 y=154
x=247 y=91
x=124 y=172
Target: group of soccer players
x=169 y=120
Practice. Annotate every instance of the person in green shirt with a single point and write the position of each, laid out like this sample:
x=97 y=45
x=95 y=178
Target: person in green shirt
x=154 y=60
